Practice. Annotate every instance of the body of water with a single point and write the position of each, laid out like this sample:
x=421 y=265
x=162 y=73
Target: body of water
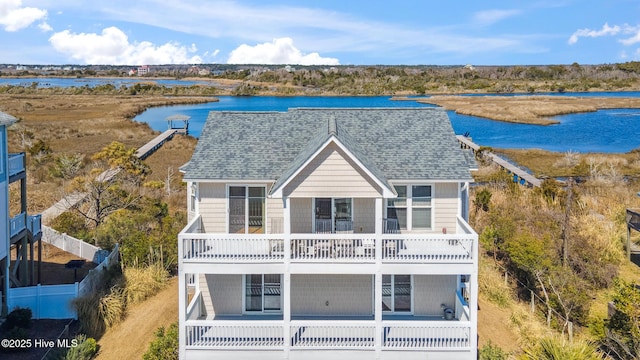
x=610 y=131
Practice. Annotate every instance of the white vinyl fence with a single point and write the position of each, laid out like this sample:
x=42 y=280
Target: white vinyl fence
x=45 y=301
x=72 y=245
x=55 y=301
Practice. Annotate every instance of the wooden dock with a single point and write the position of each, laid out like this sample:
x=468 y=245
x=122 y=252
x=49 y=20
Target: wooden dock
x=520 y=176
x=153 y=145
x=72 y=200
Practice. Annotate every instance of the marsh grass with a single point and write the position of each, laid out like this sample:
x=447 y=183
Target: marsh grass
x=143 y=282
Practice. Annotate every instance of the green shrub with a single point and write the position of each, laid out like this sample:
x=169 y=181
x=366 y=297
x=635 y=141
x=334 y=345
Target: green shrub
x=165 y=345
x=85 y=349
x=19 y=317
x=491 y=352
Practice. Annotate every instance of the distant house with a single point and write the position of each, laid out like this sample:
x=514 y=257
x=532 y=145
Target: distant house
x=18 y=231
x=328 y=234
x=143 y=70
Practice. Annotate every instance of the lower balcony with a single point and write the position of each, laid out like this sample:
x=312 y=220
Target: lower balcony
x=334 y=334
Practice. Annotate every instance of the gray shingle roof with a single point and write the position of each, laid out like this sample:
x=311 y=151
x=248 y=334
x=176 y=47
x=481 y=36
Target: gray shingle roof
x=6 y=119
x=392 y=143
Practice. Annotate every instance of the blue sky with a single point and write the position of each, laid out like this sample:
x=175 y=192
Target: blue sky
x=328 y=32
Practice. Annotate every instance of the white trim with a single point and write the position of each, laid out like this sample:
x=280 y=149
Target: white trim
x=230 y=181
x=386 y=192
x=228 y=212
x=263 y=311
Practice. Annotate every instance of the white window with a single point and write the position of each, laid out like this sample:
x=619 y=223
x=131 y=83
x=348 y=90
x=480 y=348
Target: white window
x=247 y=209
x=194 y=188
x=263 y=293
x=397 y=291
x=412 y=208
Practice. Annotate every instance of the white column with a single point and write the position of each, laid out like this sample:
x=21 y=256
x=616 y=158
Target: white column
x=473 y=300
x=377 y=284
x=182 y=307
x=286 y=290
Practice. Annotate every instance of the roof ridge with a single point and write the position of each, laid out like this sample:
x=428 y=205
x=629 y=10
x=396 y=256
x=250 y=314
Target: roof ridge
x=333 y=126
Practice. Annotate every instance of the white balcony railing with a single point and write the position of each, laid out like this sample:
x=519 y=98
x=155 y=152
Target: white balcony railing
x=16 y=163
x=17 y=224
x=330 y=334
x=333 y=334
x=437 y=335
x=330 y=247
x=249 y=335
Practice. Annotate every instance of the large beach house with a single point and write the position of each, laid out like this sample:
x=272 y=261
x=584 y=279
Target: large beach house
x=328 y=234
x=18 y=231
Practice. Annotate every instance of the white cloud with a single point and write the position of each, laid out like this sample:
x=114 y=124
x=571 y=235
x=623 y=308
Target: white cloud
x=13 y=16
x=635 y=38
x=45 y=27
x=489 y=17
x=113 y=47
x=605 y=31
x=279 y=51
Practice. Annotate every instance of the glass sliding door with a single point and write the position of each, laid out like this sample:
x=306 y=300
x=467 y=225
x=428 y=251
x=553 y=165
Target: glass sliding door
x=237 y=209
x=333 y=214
x=246 y=210
x=263 y=293
x=396 y=293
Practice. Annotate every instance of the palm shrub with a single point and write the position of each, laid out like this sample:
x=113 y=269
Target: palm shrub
x=553 y=348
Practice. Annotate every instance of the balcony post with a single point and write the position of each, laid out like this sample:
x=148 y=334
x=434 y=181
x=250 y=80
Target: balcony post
x=286 y=291
x=377 y=286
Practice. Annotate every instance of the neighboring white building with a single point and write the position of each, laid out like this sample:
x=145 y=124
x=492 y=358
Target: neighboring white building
x=328 y=234
x=19 y=231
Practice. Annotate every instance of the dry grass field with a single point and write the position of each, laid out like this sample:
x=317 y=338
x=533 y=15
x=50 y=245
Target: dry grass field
x=84 y=124
x=527 y=109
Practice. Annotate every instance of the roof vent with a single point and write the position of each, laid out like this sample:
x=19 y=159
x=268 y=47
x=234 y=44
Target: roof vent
x=333 y=127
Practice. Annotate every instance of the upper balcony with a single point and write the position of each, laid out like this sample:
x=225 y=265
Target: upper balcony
x=23 y=222
x=340 y=247
x=17 y=166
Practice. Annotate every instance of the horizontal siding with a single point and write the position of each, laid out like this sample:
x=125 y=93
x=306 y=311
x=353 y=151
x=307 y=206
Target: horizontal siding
x=364 y=216
x=301 y=214
x=275 y=216
x=431 y=291
x=332 y=174
x=344 y=294
x=213 y=207
x=226 y=293
x=445 y=207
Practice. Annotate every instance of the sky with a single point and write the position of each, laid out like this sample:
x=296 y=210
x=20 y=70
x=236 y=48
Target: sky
x=321 y=32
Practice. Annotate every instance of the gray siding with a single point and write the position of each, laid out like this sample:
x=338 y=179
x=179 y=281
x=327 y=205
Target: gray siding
x=332 y=174
x=431 y=291
x=345 y=294
x=226 y=293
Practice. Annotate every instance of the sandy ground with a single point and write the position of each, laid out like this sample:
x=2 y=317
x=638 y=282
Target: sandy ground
x=493 y=326
x=130 y=339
